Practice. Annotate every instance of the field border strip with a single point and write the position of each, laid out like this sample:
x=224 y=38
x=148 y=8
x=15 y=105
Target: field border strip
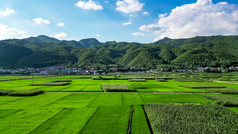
x=11 y=101
x=147 y=120
x=16 y=110
x=130 y=120
x=81 y=90
x=48 y=119
x=55 y=101
x=99 y=93
x=84 y=126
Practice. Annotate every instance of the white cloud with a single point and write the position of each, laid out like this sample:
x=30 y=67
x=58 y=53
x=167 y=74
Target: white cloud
x=90 y=5
x=146 y=13
x=138 y=34
x=129 y=6
x=7 y=12
x=127 y=23
x=98 y=35
x=41 y=21
x=162 y=15
x=60 y=35
x=149 y=28
x=10 y=33
x=202 y=18
x=61 y=24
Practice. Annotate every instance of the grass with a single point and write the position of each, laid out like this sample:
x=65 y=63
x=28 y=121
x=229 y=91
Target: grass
x=107 y=99
x=25 y=121
x=180 y=119
x=68 y=121
x=139 y=123
x=233 y=109
x=33 y=102
x=107 y=120
x=132 y=99
x=173 y=98
x=65 y=111
x=75 y=100
x=225 y=100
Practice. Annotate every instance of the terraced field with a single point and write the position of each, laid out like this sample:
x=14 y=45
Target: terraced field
x=84 y=107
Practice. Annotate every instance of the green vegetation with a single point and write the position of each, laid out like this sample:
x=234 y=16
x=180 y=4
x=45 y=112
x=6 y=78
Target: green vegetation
x=180 y=119
x=44 y=51
x=5 y=92
x=116 y=88
x=139 y=123
x=25 y=92
x=21 y=92
x=68 y=121
x=201 y=86
x=54 y=83
x=137 y=80
x=25 y=121
x=225 y=100
x=108 y=120
x=84 y=107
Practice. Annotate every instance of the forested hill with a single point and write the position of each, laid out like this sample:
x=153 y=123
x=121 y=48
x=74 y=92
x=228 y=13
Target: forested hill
x=44 y=51
x=231 y=40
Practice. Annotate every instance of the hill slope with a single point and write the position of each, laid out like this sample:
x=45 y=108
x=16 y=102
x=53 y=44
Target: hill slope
x=194 y=52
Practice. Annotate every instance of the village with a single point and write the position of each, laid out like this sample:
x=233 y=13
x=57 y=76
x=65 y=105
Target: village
x=110 y=70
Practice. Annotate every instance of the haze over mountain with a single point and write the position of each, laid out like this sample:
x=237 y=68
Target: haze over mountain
x=42 y=51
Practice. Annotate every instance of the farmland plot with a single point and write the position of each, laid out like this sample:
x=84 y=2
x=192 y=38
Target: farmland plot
x=75 y=100
x=107 y=99
x=33 y=102
x=25 y=121
x=180 y=119
x=173 y=98
x=108 y=120
x=139 y=123
x=68 y=121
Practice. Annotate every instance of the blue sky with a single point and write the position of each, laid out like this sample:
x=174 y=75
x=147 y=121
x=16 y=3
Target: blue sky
x=119 y=20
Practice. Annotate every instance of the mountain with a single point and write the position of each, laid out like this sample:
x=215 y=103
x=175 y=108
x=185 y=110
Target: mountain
x=198 y=39
x=45 y=51
x=90 y=42
x=41 y=38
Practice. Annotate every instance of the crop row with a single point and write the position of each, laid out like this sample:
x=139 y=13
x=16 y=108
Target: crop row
x=194 y=119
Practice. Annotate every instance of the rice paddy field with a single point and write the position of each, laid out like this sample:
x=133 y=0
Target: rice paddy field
x=130 y=104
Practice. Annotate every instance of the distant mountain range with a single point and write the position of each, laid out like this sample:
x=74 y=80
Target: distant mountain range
x=44 y=51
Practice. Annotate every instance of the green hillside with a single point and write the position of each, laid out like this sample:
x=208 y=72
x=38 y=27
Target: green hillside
x=44 y=51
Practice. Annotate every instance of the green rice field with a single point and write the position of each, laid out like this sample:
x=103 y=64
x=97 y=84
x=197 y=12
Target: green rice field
x=133 y=107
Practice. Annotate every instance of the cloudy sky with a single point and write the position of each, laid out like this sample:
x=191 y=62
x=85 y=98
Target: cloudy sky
x=120 y=20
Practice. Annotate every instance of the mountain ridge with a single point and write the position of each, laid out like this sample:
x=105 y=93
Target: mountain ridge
x=192 y=52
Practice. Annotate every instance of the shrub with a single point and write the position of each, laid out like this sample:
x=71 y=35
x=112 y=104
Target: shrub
x=5 y=92
x=223 y=90
x=85 y=77
x=63 y=81
x=25 y=92
x=201 y=86
x=137 y=80
x=225 y=100
x=162 y=80
x=51 y=84
x=117 y=88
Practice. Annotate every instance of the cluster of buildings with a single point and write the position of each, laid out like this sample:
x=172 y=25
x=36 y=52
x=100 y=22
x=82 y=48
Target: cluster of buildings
x=111 y=70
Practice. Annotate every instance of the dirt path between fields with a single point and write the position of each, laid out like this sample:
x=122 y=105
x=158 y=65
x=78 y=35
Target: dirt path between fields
x=224 y=82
